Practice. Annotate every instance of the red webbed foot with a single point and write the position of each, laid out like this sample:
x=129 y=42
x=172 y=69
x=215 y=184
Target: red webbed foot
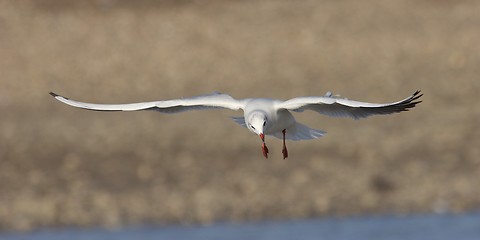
x=264 y=150
x=285 y=152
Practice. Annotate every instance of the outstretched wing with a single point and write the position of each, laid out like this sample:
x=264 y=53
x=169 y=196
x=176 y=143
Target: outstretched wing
x=335 y=106
x=215 y=100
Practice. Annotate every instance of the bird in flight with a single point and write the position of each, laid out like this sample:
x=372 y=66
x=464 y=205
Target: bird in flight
x=264 y=116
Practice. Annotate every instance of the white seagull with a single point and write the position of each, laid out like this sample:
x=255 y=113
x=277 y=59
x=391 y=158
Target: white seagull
x=264 y=116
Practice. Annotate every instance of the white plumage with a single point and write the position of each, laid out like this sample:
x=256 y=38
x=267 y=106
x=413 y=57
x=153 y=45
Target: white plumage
x=264 y=116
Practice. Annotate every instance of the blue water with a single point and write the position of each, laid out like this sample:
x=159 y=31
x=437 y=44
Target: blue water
x=421 y=227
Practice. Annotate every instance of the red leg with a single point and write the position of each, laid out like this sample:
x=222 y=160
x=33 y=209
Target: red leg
x=264 y=147
x=264 y=150
x=284 y=150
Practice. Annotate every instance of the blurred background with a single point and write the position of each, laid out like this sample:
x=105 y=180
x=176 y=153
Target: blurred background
x=61 y=166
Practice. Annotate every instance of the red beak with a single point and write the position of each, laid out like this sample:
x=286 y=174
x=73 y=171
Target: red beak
x=262 y=136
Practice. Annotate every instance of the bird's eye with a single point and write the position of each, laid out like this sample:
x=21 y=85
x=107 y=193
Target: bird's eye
x=264 y=123
x=252 y=127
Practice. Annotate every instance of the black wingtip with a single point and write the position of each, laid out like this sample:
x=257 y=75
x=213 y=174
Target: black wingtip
x=415 y=96
x=56 y=95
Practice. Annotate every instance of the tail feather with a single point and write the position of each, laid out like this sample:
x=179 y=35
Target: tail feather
x=300 y=132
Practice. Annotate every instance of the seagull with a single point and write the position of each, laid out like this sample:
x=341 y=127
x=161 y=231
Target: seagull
x=264 y=116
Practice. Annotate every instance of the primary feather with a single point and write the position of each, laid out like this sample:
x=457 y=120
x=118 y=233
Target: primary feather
x=341 y=107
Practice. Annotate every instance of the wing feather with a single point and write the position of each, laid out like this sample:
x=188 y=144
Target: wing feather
x=240 y=121
x=211 y=101
x=341 y=107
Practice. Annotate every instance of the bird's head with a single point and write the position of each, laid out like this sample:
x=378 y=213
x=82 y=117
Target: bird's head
x=256 y=123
